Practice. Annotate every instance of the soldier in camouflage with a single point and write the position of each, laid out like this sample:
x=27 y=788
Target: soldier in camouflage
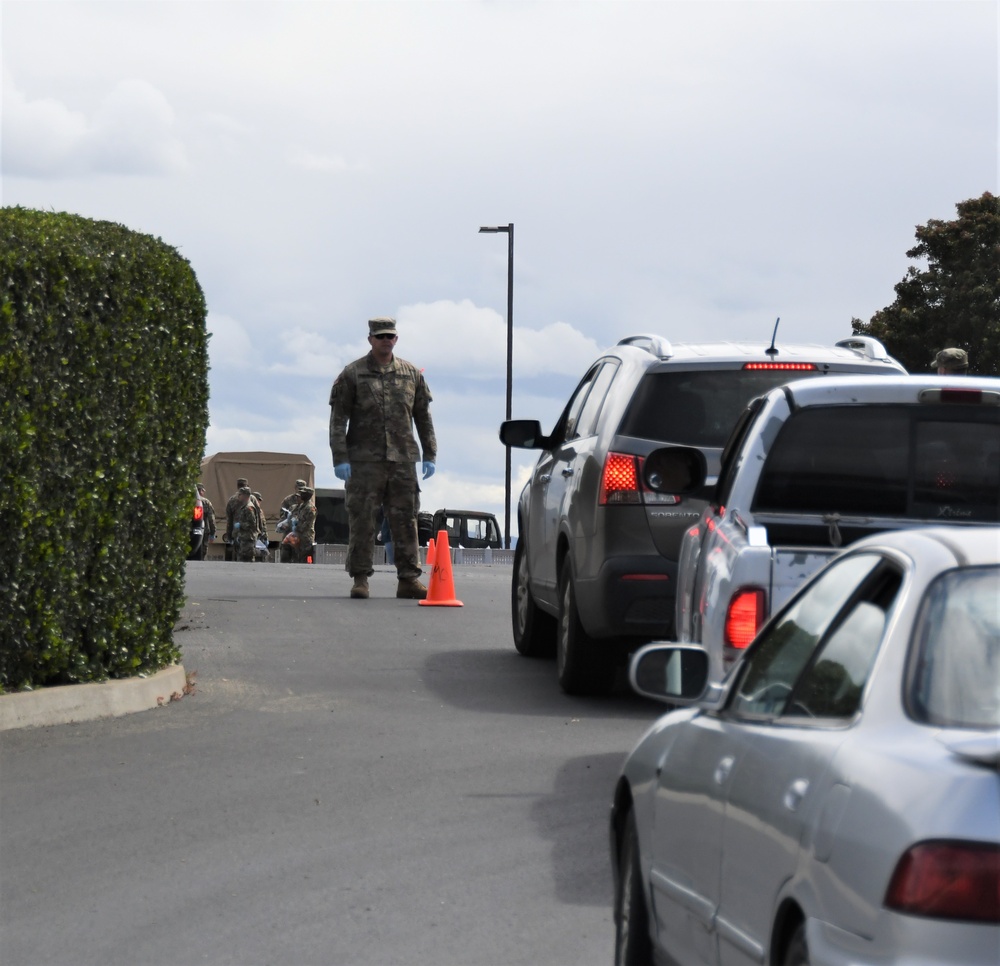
x=246 y=526
x=374 y=405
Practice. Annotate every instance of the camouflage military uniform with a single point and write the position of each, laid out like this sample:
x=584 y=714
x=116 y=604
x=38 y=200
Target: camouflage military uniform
x=304 y=517
x=373 y=412
x=247 y=516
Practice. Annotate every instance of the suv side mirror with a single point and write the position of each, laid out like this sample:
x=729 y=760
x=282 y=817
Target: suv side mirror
x=523 y=434
x=675 y=469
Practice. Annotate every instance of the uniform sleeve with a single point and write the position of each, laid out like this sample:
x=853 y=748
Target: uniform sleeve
x=341 y=404
x=422 y=420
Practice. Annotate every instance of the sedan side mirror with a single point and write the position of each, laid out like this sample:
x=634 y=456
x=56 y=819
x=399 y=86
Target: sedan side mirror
x=673 y=673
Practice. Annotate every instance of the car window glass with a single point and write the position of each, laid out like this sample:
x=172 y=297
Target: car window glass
x=886 y=461
x=696 y=407
x=778 y=657
x=586 y=425
x=956 y=658
x=567 y=427
x=832 y=686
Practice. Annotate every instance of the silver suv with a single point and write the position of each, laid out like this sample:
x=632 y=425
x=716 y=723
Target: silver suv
x=600 y=521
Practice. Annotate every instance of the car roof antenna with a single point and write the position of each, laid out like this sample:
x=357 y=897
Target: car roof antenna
x=773 y=350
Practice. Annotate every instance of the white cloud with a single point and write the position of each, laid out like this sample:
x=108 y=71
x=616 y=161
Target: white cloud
x=131 y=132
x=311 y=161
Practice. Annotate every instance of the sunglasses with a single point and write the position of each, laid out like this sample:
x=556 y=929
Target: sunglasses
x=383 y=335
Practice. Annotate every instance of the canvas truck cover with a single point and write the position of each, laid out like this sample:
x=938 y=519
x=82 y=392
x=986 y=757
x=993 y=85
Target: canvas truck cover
x=273 y=475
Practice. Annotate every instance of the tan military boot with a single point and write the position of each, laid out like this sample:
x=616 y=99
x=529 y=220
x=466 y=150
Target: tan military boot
x=360 y=589
x=411 y=589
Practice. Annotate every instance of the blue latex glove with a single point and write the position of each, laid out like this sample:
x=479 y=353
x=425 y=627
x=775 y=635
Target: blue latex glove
x=428 y=469
x=342 y=471
x=236 y=526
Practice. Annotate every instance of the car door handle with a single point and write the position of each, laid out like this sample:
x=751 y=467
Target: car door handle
x=795 y=793
x=722 y=770
x=568 y=471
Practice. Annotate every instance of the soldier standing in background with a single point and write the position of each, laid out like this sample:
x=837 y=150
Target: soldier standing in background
x=374 y=404
x=303 y=523
x=246 y=518
x=288 y=503
x=231 y=506
x=209 y=511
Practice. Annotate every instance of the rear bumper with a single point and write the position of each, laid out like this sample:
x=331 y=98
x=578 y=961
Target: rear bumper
x=629 y=597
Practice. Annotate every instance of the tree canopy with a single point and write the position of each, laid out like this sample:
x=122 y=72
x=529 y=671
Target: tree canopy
x=955 y=300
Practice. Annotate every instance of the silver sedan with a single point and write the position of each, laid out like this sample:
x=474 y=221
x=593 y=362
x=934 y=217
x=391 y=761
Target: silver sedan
x=836 y=800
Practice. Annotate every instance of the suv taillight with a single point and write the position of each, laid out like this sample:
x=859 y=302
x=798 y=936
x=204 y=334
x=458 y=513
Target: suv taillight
x=199 y=511
x=620 y=480
x=621 y=483
x=744 y=616
x=948 y=880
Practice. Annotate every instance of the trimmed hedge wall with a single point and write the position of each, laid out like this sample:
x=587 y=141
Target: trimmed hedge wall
x=103 y=413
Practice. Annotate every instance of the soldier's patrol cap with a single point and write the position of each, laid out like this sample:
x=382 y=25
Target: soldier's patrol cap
x=245 y=489
x=951 y=359
x=242 y=482
x=382 y=324
x=299 y=484
x=306 y=491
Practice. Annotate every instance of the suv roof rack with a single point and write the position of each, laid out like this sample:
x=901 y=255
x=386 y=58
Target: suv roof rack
x=654 y=344
x=868 y=347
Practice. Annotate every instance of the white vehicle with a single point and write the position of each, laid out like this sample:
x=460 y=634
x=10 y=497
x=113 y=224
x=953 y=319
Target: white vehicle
x=836 y=800
x=815 y=465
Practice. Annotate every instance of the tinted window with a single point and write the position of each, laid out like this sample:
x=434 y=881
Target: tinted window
x=921 y=462
x=697 y=407
x=956 y=673
x=566 y=428
x=586 y=425
x=772 y=668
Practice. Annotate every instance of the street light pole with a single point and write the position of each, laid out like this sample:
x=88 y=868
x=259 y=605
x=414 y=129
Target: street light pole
x=509 y=231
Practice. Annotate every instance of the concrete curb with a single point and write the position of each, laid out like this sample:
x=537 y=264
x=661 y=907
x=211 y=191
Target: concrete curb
x=86 y=702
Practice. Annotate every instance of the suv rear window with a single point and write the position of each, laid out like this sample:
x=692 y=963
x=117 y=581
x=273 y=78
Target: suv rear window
x=929 y=463
x=697 y=407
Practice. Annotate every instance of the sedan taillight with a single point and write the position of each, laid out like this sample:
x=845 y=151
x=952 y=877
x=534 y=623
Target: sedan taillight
x=948 y=880
x=744 y=616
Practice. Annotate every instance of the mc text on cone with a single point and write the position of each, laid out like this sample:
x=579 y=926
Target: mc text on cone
x=441 y=592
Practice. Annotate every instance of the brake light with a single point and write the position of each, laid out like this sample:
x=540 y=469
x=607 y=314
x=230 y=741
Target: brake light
x=744 y=616
x=620 y=480
x=791 y=366
x=968 y=397
x=199 y=511
x=948 y=880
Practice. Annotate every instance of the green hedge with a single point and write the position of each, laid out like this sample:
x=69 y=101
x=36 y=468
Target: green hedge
x=103 y=412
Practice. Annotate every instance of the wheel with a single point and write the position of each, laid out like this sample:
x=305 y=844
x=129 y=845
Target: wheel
x=797 y=952
x=534 y=630
x=584 y=666
x=632 y=944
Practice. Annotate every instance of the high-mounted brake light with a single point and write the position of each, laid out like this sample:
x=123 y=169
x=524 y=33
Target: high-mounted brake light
x=744 y=616
x=199 y=511
x=966 y=397
x=791 y=366
x=948 y=880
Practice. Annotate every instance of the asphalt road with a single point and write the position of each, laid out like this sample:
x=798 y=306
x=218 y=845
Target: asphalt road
x=351 y=782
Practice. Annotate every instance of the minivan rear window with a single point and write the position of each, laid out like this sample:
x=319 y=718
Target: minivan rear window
x=697 y=407
x=926 y=462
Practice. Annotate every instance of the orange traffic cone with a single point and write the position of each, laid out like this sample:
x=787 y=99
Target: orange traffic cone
x=430 y=552
x=441 y=592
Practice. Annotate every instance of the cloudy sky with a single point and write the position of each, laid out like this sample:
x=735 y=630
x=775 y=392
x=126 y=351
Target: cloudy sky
x=696 y=169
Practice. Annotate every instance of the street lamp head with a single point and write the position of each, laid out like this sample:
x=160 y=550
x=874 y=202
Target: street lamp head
x=503 y=228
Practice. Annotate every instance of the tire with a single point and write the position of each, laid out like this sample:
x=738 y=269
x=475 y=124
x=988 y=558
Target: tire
x=534 y=631
x=797 y=951
x=584 y=666
x=632 y=943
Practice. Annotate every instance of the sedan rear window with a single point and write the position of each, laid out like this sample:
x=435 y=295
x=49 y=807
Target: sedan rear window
x=956 y=660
